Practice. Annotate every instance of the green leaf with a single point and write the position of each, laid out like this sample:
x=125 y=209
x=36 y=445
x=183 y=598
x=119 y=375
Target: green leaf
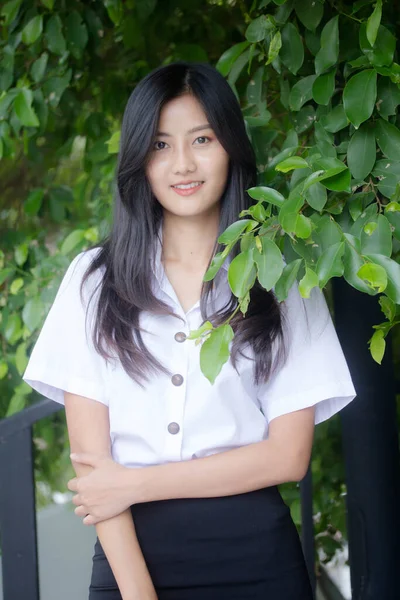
x=21 y=253
x=216 y=263
x=233 y=232
x=54 y=36
x=16 y=285
x=206 y=328
x=377 y=346
x=292 y=51
x=32 y=30
x=316 y=196
x=323 y=87
x=72 y=240
x=388 y=174
x=359 y=96
x=214 y=351
x=9 y=11
x=38 y=68
x=5 y=274
x=388 y=138
x=32 y=313
x=361 y=152
x=3 y=369
x=17 y=403
x=352 y=264
x=13 y=328
x=48 y=4
x=379 y=241
x=309 y=12
x=287 y=279
x=330 y=263
x=302 y=227
x=257 y=30
x=375 y=276
x=114 y=142
x=381 y=54
x=266 y=193
x=274 y=47
x=269 y=263
x=76 y=34
x=288 y=214
x=339 y=182
x=242 y=273
x=254 y=88
x=294 y=162
x=23 y=108
x=392 y=269
x=388 y=97
x=373 y=23
x=33 y=202
x=228 y=58
x=304 y=119
x=335 y=120
x=21 y=359
x=301 y=92
x=329 y=51
x=308 y=282
x=388 y=307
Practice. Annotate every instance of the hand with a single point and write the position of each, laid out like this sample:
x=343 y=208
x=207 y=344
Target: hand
x=103 y=493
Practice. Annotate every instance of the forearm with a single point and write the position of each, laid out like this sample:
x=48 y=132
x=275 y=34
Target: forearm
x=121 y=547
x=118 y=539
x=243 y=469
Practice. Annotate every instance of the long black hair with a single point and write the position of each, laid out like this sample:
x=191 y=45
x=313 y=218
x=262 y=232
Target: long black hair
x=125 y=288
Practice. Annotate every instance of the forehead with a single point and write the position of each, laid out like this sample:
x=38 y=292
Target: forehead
x=182 y=113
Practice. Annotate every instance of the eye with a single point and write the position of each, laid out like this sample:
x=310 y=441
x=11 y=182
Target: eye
x=203 y=137
x=158 y=142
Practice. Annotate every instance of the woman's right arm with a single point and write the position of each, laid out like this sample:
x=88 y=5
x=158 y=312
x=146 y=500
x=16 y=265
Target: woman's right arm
x=89 y=431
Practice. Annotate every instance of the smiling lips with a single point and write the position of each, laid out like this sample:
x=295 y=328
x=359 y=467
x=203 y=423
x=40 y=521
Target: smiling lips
x=186 y=189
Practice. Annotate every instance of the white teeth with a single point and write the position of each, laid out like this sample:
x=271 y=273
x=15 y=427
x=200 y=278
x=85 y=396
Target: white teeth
x=188 y=185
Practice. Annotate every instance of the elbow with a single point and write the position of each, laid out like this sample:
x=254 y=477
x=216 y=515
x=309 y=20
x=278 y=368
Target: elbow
x=298 y=465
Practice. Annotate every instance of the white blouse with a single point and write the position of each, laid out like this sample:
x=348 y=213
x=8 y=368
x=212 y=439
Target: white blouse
x=185 y=416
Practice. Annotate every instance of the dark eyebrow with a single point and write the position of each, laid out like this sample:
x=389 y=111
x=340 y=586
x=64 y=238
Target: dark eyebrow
x=198 y=128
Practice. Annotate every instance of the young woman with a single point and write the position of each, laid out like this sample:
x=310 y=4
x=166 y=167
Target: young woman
x=180 y=476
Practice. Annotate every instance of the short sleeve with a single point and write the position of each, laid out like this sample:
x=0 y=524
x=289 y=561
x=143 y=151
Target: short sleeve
x=63 y=357
x=316 y=371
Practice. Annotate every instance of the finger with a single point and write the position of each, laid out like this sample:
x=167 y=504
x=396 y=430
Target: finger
x=84 y=458
x=81 y=511
x=76 y=500
x=73 y=484
x=88 y=520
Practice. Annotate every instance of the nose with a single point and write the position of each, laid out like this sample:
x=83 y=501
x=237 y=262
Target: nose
x=184 y=161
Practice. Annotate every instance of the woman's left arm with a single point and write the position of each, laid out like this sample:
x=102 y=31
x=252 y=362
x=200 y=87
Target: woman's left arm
x=283 y=457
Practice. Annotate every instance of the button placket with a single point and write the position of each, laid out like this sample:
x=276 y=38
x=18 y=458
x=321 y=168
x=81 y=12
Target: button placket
x=176 y=398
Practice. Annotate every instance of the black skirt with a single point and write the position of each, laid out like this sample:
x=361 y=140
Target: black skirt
x=241 y=547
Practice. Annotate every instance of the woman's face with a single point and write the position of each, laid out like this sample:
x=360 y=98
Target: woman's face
x=181 y=155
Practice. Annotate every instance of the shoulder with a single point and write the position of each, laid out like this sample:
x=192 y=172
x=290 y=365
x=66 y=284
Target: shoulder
x=76 y=271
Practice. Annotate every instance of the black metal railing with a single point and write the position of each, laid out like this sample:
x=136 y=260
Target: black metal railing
x=18 y=507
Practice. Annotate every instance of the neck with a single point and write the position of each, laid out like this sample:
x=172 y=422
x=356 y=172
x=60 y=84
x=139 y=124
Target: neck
x=189 y=241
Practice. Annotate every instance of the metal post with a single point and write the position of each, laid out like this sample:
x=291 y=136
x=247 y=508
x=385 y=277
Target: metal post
x=371 y=451
x=307 y=525
x=18 y=517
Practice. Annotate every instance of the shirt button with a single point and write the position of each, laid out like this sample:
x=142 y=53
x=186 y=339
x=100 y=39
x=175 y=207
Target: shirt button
x=177 y=379
x=180 y=336
x=173 y=428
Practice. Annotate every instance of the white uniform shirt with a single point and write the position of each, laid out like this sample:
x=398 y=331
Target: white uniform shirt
x=185 y=416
